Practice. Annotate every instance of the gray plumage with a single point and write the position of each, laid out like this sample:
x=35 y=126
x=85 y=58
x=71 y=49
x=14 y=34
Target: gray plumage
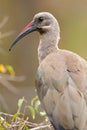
x=61 y=79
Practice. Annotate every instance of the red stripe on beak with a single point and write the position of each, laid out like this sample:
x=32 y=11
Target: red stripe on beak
x=26 y=27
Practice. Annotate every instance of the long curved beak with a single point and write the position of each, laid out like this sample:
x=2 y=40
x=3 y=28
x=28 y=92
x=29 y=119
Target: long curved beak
x=28 y=29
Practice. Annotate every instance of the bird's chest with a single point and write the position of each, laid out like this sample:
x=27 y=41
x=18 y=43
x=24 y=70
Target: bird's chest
x=52 y=74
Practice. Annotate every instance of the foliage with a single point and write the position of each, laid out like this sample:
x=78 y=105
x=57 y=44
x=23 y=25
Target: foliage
x=7 y=72
x=19 y=121
x=7 y=69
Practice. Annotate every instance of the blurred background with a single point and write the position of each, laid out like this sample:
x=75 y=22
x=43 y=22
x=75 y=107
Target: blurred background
x=72 y=17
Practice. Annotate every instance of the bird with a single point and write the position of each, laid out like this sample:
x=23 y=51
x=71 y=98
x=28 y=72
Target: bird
x=61 y=78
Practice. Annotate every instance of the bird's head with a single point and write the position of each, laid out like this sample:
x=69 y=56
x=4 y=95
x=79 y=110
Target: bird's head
x=42 y=22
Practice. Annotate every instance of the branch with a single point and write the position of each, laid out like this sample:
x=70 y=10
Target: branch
x=4 y=21
x=42 y=127
x=19 y=121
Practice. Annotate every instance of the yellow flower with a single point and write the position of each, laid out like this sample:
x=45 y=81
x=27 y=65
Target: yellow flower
x=2 y=68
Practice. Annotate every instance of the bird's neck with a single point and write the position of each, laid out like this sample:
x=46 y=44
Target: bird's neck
x=47 y=45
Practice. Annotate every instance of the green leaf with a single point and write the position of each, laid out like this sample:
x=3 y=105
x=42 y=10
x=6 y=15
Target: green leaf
x=32 y=111
x=20 y=102
x=42 y=113
x=2 y=128
x=37 y=104
x=15 y=116
x=26 y=127
x=1 y=119
x=46 y=119
x=33 y=100
x=10 y=69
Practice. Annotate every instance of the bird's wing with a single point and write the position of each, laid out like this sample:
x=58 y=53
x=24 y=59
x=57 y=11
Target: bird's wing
x=77 y=70
x=59 y=82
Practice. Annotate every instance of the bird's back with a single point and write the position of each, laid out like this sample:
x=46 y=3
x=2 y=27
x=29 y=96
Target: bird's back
x=61 y=86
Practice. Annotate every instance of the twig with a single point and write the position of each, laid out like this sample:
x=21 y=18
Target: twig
x=4 y=21
x=23 y=123
x=41 y=127
x=6 y=114
x=4 y=35
x=4 y=80
x=12 y=78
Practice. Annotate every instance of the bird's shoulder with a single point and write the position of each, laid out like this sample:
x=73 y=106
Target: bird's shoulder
x=74 y=62
x=64 y=65
x=69 y=59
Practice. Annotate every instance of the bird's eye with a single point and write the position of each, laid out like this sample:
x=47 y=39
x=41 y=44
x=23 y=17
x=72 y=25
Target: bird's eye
x=41 y=19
